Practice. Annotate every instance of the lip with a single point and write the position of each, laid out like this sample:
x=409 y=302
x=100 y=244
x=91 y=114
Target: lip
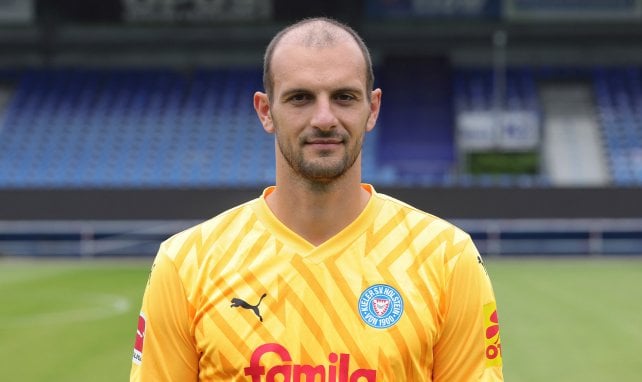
x=324 y=145
x=324 y=141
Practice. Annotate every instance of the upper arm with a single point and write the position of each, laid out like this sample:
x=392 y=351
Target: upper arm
x=168 y=351
x=463 y=351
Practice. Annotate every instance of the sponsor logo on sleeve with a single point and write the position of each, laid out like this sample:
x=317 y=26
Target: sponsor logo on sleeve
x=380 y=306
x=491 y=336
x=140 y=337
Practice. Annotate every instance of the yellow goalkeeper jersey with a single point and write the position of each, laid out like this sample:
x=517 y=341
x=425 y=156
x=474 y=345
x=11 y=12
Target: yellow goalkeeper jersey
x=398 y=295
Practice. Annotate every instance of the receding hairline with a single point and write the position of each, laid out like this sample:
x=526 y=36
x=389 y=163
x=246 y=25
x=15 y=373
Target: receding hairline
x=315 y=32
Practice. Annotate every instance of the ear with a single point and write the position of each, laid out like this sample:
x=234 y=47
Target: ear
x=262 y=107
x=375 y=106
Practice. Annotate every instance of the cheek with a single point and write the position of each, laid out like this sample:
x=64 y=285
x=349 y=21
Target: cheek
x=285 y=138
x=361 y=125
x=287 y=121
x=359 y=116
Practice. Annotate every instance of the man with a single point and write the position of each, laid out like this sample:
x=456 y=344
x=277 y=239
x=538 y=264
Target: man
x=321 y=278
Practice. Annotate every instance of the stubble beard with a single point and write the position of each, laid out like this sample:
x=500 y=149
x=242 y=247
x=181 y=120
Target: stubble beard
x=321 y=170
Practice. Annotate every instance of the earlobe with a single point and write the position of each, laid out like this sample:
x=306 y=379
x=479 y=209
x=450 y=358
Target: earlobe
x=262 y=108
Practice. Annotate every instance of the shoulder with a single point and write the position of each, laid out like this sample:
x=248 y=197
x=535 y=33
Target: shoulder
x=414 y=215
x=426 y=231
x=194 y=242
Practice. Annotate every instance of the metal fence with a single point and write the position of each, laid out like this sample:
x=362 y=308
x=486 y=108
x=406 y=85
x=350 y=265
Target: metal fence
x=556 y=236
x=116 y=238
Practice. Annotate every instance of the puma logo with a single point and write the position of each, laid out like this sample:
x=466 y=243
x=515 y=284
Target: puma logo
x=237 y=302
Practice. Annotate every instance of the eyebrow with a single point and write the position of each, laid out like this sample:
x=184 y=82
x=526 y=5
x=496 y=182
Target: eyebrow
x=290 y=92
x=356 y=91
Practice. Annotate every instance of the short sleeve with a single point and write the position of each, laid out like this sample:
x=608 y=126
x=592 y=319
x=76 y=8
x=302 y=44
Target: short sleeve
x=164 y=349
x=468 y=348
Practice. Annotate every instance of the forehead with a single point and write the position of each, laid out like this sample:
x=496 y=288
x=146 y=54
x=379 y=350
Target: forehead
x=340 y=63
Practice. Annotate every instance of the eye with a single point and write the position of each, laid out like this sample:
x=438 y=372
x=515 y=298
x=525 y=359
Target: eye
x=299 y=98
x=345 y=97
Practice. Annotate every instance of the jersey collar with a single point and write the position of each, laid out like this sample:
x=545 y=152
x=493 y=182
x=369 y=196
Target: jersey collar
x=336 y=243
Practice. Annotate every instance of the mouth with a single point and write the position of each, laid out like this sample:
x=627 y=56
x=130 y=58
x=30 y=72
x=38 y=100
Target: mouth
x=324 y=141
x=324 y=144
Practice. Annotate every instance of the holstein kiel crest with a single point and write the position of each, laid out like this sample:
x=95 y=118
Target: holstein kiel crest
x=380 y=306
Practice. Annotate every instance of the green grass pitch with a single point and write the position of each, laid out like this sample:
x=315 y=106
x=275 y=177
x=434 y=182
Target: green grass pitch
x=561 y=319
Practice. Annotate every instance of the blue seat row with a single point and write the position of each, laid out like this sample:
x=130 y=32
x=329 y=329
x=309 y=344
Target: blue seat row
x=90 y=128
x=618 y=94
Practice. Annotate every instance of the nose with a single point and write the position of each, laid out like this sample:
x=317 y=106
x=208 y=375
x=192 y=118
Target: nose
x=324 y=117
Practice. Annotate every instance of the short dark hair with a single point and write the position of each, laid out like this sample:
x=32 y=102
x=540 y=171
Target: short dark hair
x=268 y=81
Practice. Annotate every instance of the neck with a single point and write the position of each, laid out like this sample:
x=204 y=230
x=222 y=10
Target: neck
x=318 y=211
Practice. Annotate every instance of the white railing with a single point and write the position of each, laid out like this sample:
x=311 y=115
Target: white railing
x=87 y=239
x=556 y=236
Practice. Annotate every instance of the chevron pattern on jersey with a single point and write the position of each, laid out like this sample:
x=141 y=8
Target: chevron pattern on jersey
x=369 y=304
x=312 y=293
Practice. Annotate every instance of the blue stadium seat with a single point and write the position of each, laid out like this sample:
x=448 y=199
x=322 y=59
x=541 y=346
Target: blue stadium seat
x=618 y=94
x=90 y=128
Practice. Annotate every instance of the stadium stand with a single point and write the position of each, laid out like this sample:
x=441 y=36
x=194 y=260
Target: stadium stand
x=417 y=121
x=572 y=144
x=145 y=106
x=474 y=91
x=618 y=93
x=137 y=128
x=133 y=128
